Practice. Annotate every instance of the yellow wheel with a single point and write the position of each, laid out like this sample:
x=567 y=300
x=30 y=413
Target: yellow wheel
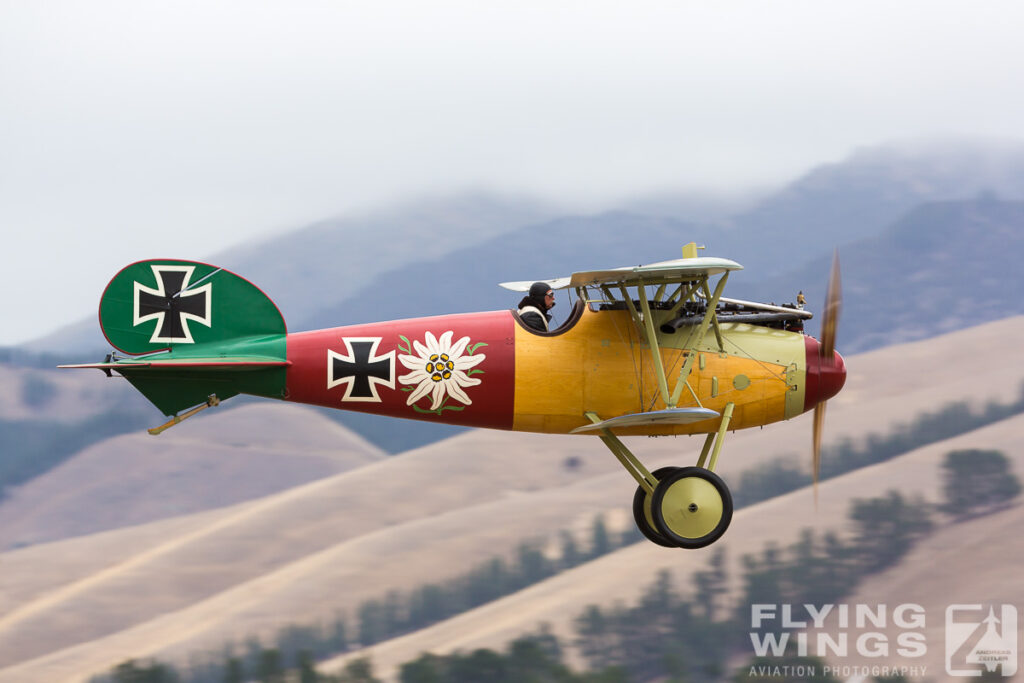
x=692 y=507
x=642 y=511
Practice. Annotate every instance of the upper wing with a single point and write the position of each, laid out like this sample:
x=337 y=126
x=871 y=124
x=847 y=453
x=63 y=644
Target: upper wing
x=677 y=270
x=524 y=285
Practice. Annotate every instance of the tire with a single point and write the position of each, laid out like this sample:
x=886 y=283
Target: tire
x=642 y=511
x=692 y=507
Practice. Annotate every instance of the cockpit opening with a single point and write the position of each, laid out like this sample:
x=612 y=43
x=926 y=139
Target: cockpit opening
x=574 y=317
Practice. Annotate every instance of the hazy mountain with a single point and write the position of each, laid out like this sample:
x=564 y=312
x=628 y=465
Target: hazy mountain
x=699 y=207
x=46 y=416
x=317 y=265
x=861 y=196
x=309 y=269
x=943 y=266
x=212 y=461
x=385 y=263
x=466 y=279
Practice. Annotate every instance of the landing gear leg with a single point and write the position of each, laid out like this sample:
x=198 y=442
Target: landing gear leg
x=646 y=482
x=693 y=507
x=688 y=507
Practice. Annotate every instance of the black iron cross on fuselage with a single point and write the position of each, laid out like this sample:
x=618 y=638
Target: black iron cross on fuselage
x=361 y=370
x=170 y=306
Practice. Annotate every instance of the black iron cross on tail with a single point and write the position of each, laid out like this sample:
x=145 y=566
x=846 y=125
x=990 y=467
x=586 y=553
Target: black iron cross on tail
x=362 y=370
x=172 y=305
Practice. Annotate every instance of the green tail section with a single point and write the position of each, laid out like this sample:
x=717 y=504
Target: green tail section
x=201 y=330
x=183 y=305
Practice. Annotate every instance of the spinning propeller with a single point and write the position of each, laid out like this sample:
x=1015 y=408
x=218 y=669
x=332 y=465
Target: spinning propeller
x=829 y=373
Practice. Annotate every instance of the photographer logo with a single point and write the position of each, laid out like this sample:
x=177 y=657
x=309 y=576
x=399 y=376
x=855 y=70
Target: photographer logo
x=981 y=638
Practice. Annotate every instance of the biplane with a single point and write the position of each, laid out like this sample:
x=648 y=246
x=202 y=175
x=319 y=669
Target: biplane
x=645 y=350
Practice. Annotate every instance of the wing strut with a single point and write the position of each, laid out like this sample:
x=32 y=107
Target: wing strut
x=635 y=468
x=645 y=322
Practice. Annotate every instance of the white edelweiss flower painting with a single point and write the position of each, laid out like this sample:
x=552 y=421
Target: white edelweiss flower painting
x=440 y=369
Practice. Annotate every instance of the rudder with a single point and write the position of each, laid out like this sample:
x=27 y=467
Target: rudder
x=183 y=306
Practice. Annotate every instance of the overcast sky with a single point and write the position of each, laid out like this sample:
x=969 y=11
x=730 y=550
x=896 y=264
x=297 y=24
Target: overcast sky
x=136 y=129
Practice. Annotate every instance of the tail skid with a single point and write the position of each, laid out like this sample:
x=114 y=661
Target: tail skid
x=210 y=402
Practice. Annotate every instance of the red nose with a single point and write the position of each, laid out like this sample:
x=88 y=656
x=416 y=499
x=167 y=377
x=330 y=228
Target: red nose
x=825 y=376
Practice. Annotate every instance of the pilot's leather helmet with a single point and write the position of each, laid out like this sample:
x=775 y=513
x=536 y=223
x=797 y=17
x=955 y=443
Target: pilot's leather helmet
x=538 y=290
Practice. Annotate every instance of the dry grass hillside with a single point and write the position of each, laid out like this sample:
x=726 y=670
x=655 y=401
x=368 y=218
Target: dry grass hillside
x=322 y=534
x=186 y=583
x=64 y=396
x=977 y=561
x=245 y=453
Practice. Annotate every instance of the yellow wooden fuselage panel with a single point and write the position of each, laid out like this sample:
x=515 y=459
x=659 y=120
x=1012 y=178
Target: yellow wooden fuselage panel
x=603 y=365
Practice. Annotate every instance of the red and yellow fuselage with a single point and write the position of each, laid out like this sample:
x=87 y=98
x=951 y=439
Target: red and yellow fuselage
x=489 y=370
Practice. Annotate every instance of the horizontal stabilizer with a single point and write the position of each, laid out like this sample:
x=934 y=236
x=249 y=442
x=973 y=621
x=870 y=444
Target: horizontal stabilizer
x=175 y=384
x=677 y=416
x=241 y=363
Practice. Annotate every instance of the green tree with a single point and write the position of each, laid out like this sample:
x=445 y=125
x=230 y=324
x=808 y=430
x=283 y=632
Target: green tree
x=821 y=568
x=886 y=527
x=838 y=572
x=763 y=581
x=647 y=630
x=253 y=653
x=599 y=543
x=358 y=671
x=153 y=672
x=307 y=668
x=479 y=665
x=486 y=583
x=270 y=669
x=711 y=583
x=428 y=668
x=595 y=639
x=768 y=479
x=977 y=481
x=293 y=639
x=37 y=391
x=614 y=674
x=233 y=672
x=337 y=641
x=395 y=614
x=570 y=551
x=372 y=622
x=536 y=658
x=427 y=605
x=532 y=567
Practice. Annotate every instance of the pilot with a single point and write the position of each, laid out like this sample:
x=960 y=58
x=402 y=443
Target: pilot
x=533 y=309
